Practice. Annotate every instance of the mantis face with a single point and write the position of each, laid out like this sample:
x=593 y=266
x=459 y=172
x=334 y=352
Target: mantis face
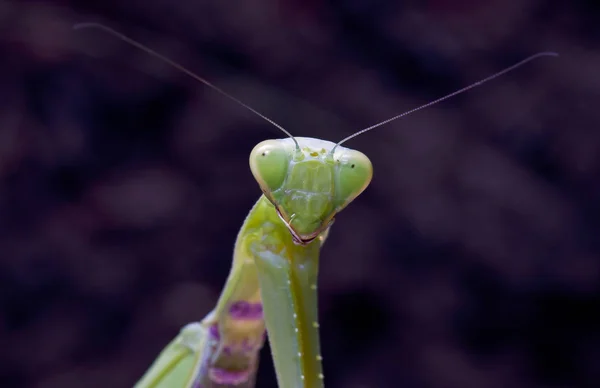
x=309 y=186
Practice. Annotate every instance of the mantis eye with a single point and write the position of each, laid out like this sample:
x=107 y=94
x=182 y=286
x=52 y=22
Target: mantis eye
x=354 y=175
x=269 y=162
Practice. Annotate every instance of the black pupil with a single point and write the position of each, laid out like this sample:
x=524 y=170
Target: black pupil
x=352 y=166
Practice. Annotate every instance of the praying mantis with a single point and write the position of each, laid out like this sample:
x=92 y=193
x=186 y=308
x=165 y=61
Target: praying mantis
x=272 y=285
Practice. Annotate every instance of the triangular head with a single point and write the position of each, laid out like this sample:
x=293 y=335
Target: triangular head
x=308 y=183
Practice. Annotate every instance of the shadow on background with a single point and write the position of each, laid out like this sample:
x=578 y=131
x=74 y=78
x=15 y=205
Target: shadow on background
x=472 y=260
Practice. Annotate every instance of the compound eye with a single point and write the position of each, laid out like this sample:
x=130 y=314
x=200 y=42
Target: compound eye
x=269 y=162
x=355 y=173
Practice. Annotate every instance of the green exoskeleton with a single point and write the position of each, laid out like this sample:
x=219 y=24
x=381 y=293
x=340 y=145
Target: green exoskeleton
x=272 y=286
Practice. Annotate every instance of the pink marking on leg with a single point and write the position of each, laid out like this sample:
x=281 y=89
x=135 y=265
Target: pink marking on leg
x=214 y=332
x=223 y=376
x=246 y=311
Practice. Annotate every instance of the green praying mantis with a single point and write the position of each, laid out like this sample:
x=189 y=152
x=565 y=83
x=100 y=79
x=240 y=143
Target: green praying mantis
x=272 y=285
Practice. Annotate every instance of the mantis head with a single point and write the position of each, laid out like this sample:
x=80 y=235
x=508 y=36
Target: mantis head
x=308 y=183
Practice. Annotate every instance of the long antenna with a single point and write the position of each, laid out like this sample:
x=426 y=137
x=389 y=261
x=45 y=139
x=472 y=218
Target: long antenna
x=179 y=67
x=478 y=83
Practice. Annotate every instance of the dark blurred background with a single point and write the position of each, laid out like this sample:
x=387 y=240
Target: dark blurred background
x=472 y=260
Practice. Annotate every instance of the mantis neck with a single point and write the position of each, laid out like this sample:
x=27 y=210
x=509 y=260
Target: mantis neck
x=272 y=285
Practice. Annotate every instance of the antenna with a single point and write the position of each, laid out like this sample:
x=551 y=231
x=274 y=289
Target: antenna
x=179 y=67
x=473 y=85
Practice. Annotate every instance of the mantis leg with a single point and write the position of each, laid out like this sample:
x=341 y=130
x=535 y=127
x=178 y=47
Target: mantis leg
x=184 y=362
x=289 y=293
x=176 y=363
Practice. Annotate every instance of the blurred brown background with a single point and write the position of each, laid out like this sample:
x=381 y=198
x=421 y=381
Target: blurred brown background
x=472 y=260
